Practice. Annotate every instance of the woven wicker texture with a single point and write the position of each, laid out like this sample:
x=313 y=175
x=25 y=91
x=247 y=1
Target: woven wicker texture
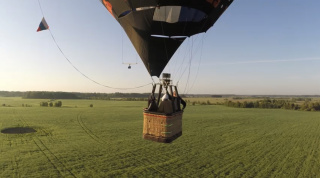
x=162 y=127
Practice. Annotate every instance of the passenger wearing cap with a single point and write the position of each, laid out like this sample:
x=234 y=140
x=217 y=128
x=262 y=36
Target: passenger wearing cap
x=165 y=105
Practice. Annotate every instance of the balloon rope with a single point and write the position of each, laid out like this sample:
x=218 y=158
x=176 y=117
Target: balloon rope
x=180 y=71
x=187 y=84
x=188 y=50
x=153 y=82
x=82 y=72
x=198 y=65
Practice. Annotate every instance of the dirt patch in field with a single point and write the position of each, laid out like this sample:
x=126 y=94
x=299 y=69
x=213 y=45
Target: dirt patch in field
x=18 y=130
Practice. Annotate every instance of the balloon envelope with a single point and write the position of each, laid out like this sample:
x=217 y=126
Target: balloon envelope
x=157 y=28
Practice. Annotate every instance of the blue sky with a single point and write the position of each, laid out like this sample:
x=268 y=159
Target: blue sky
x=256 y=47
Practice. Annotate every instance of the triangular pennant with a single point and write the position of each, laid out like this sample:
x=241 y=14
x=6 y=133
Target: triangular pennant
x=43 y=25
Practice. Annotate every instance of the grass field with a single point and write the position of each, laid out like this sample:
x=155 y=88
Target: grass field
x=106 y=141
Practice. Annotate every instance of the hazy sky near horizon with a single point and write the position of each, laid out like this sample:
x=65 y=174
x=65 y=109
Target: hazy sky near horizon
x=256 y=47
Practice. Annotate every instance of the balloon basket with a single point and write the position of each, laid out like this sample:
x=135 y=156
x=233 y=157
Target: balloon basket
x=162 y=128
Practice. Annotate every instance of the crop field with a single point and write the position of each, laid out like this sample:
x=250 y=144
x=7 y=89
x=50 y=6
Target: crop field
x=106 y=141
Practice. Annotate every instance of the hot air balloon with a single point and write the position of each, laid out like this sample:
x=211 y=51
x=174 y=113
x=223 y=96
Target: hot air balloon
x=157 y=28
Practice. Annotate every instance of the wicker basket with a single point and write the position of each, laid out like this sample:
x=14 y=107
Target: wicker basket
x=160 y=127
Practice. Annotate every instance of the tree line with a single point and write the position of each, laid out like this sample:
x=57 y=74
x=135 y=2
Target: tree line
x=49 y=95
x=11 y=93
x=308 y=105
x=75 y=95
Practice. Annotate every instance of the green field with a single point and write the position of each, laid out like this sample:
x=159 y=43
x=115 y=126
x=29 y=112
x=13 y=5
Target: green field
x=106 y=141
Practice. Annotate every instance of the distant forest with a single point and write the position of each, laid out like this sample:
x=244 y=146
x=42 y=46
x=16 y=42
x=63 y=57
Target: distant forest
x=108 y=96
x=70 y=95
x=307 y=105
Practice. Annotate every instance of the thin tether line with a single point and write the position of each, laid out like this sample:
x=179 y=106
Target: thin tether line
x=79 y=70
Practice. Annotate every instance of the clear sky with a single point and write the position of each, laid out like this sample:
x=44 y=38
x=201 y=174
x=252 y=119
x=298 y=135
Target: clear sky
x=256 y=47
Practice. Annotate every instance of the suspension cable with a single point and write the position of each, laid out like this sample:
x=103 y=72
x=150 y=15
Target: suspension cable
x=64 y=55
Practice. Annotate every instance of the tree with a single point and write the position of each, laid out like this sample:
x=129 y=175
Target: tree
x=44 y=104
x=58 y=104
